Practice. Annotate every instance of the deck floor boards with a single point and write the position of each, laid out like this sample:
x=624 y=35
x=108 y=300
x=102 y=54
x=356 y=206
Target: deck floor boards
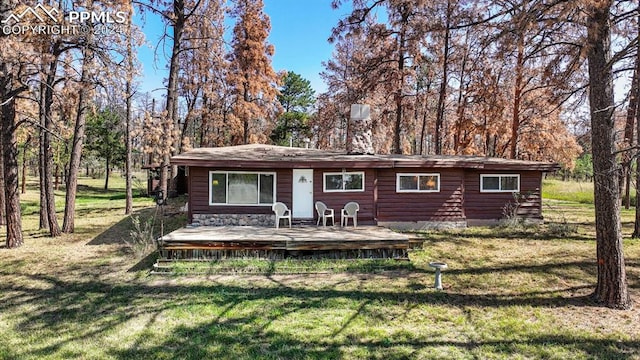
x=296 y=238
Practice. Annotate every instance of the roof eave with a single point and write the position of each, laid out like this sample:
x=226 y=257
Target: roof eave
x=283 y=164
x=544 y=167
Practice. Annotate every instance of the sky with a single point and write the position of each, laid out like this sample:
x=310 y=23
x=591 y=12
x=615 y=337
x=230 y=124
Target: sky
x=299 y=32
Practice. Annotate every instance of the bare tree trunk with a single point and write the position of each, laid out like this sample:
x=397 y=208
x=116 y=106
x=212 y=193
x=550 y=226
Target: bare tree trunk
x=46 y=100
x=44 y=215
x=10 y=163
x=23 y=183
x=443 y=86
x=633 y=115
x=68 y=224
x=128 y=168
x=611 y=289
x=416 y=118
x=3 y=209
x=397 y=145
x=179 y=19
x=128 y=208
x=245 y=95
x=636 y=226
x=423 y=150
x=517 y=97
x=108 y=173
x=56 y=176
x=458 y=141
x=632 y=110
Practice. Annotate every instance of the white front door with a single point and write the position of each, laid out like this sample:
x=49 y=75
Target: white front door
x=303 y=193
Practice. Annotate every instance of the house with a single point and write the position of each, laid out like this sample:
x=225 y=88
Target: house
x=237 y=185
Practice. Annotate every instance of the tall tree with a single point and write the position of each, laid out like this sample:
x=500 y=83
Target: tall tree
x=440 y=112
x=423 y=84
x=296 y=97
x=296 y=93
x=105 y=138
x=177 y=15
x=68 y=224
x=632 y=114
x=394 y=45
x=12 y=69
x=634 y=107
x=611 y=288
x=251 y=74
x=128 y=208
x=9 y=144
x=178 y=20
x=347 y=84
x=202 y=78
x=52 y=48
x=3 y=216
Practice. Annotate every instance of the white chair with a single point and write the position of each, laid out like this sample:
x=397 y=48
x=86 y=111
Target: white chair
x=350 y=211
x=324 y=213
x=282 y=212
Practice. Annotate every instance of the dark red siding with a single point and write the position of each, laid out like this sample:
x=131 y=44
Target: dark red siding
x=488 y=206
x=459 y=197
x=337 y=200
x=445 y=205
x=199 y=193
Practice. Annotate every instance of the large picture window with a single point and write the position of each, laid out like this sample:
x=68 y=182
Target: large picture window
x=241 y=188
x=499 y=183
x=344 y=181
x=418 y=182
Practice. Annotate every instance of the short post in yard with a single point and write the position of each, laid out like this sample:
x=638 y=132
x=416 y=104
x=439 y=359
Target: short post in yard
x=438 y=266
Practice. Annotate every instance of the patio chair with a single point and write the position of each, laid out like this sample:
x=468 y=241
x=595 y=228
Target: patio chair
x=282 y=212
x=324 y=213
x=350 y=211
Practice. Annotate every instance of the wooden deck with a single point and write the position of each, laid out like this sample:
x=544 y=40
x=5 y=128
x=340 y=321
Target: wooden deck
x=211 y=241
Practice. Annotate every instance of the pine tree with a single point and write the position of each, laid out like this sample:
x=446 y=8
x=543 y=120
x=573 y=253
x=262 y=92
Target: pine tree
x=251 y=75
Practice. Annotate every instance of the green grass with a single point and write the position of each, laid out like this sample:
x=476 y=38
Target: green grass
x=510 y=293
x=289 y=266
x=573 y=191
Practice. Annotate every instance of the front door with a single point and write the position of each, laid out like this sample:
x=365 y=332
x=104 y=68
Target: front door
x=303 y=193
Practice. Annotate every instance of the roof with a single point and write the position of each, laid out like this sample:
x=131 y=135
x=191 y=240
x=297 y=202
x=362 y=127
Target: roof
x=258 y=156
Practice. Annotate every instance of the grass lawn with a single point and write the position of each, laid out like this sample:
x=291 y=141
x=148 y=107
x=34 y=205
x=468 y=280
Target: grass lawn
x=574 y=191
x=518 y=293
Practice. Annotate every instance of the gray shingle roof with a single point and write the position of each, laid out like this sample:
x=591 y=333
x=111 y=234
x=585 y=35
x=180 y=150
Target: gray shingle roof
x=271 y=156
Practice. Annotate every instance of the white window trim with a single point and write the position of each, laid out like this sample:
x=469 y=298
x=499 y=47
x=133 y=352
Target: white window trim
x=324 y=181
x=398 y=175
x=500 y=176
x=275 y=186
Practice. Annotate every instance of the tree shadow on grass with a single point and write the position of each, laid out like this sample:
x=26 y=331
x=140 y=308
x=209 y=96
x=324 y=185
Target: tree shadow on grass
x=498 y=232
x=76 y=312
x=146 y=263
x=117 y=232
x=121 y=231
x=238 y=340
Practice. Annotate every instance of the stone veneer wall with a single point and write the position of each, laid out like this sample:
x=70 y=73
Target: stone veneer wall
x=234 y=219
x=423 y=225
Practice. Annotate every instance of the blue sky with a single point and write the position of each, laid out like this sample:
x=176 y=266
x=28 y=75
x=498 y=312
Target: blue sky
x=299 y=32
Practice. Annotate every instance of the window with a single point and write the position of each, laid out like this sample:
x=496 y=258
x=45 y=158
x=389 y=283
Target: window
x=344 y=181
x=241 y=188
x=417 y=182
x=499 y=183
